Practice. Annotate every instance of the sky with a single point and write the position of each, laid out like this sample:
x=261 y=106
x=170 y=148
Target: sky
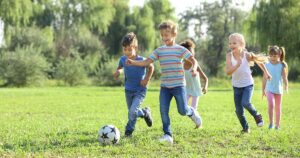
x=182 y=5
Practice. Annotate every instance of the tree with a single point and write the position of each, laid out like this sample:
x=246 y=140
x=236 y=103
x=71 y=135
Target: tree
x=16 y=12
x=221 y=19
x=277 y=23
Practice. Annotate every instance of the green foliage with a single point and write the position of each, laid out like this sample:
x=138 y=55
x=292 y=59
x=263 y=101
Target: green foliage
x=24 y=66
x=221 y=19
x=32 y=36
x=104 y=75
x=16 y=12
x=71 y=71
x=277 y=23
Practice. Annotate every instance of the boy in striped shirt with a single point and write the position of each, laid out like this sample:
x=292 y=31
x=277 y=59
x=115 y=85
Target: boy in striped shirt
x=170 y=56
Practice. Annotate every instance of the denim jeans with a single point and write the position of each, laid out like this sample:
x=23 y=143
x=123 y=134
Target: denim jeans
x=134 y=100
x=165 y=97
x=242 y=97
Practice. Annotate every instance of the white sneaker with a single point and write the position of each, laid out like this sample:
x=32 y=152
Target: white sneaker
x=196 y=118
x=166 y=138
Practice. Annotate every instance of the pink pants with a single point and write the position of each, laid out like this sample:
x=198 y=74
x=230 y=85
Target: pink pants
x=274 y=100
x=195 y=100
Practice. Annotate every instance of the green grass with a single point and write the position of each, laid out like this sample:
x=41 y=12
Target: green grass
x=63 y=122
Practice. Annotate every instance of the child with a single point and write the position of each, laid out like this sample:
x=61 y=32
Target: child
x=170 y=56
x=278 y=68
x=237 y=66
x=136 y=81
x=193 y=84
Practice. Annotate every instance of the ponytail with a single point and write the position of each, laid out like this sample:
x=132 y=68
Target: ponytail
x=282 y=56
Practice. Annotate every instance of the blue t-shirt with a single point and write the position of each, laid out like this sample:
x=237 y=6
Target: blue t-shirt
x=133 y=74
x=275 y=84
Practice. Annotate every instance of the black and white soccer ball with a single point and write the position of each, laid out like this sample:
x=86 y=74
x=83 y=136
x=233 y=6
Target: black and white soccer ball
x=109 y=134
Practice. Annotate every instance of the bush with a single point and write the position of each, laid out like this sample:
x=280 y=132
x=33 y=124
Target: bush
x=104 y=75
x=71 y=71
x=24 y=66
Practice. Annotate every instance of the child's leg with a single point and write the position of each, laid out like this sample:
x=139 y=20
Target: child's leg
x=180 y=96
x=271 y=100
x=136 y=98
x=278 y=109
x=195 y=100
x=239 y=110
x=188 y=98
x=164 y=99
x=246 y=100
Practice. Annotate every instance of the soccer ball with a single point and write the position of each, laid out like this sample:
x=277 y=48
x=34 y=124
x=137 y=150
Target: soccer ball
x=109 y=134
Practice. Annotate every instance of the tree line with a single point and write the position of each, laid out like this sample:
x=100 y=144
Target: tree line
x=78 y=42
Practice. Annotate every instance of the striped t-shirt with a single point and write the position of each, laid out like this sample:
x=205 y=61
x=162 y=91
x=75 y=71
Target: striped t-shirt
x=170 y=59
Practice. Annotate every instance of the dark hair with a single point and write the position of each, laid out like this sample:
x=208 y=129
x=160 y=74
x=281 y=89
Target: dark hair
x=278 y=50
x=129 y=39
x=168 y=25
x=188 y=44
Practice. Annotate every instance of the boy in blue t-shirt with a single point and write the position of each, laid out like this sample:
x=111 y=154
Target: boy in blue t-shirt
x=136 y=80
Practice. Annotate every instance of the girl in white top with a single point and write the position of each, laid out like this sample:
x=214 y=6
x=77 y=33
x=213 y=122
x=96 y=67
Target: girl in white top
x=193 y=84
x=238 y=66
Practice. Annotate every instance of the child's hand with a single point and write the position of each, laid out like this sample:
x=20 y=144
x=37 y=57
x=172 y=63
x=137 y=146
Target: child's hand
x=144 y=82
x=204 y=90
x=194 y=73
x=116 y=75
x=267 y=76
x=239 y=62
x=263 y=94
x=129 y=62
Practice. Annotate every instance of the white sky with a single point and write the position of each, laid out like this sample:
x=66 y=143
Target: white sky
x=182 y=5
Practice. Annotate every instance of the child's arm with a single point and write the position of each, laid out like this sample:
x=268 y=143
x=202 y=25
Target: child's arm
x=142 y=63
x=264 y=81
x=259 y=60
x=194 y=65
x=148 y=76
x=285 y=77
x=229 y=67
x=117 y=73
x=204 y=77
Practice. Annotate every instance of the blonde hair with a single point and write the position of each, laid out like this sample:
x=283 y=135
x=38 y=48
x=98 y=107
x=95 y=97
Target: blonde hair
x=240 y=38
x=169 y=24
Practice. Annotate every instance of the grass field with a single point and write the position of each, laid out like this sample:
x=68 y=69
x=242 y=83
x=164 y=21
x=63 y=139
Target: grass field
x=63 y=122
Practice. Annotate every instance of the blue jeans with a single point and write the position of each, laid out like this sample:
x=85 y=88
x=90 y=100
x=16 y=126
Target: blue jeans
x=242 y=97
x=165 y=97
x=134 y=100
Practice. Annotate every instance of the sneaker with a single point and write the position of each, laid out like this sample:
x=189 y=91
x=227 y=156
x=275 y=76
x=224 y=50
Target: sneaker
x=259 y=121
x=166 y=138
x=277 y=128
x=271 y=126
x=128 y=133
x=147 y=116
x=196 y=118
x=245 y=131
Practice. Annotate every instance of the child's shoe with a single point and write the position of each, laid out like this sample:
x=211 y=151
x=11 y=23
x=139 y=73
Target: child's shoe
x=166 y=138
x=259 y=121
x=277 y=128
x=128 y=133
x=245 y=130
x=196 y=118
x=271 y=126
x=147 y=116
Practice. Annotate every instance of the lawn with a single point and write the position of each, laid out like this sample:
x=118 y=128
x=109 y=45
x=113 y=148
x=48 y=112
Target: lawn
x=64 y=121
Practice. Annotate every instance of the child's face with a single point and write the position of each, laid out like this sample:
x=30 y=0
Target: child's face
x=129 y=51
x=234 y=44
x=168 y=37
x=274 y=56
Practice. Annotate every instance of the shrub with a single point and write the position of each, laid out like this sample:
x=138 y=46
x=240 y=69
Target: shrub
x=71 y=71
x=24 y=66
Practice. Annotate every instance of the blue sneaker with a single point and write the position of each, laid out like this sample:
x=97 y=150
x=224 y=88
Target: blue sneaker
x=271 y=126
